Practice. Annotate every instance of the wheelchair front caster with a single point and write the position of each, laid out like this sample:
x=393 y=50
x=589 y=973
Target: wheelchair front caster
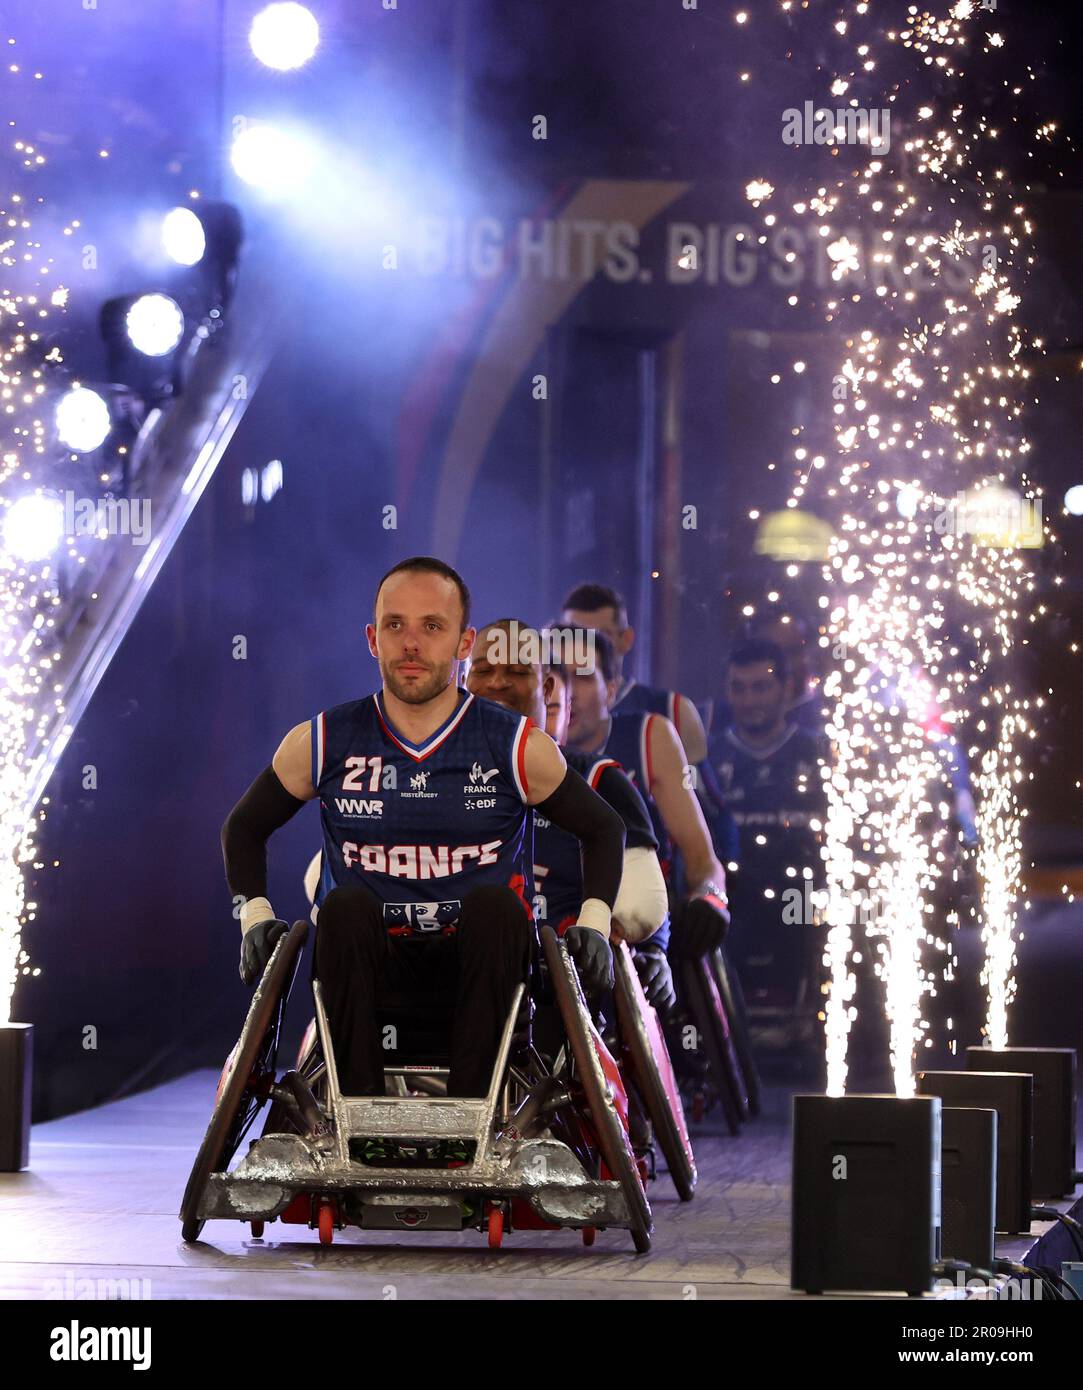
x=326 y=1222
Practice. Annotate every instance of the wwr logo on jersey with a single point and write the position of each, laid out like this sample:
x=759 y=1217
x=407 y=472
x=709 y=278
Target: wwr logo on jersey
x=355 y=808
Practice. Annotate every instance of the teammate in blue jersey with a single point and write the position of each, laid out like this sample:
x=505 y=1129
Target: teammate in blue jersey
x=768 y=769
x=425 y=800
x=647 y=747
x=603 y=609
x=518 y=680
x=804 y=696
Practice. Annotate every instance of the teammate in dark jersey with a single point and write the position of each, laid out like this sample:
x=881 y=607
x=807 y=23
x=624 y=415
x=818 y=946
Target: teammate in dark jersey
x=642 y=905
x=425 y=797
x=603 y=609
x=647 y=747
x=793 y=635
x=769 y=775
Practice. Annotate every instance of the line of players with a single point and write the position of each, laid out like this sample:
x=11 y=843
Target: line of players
x=758 y=779
x=749 y=798
x=752 y=798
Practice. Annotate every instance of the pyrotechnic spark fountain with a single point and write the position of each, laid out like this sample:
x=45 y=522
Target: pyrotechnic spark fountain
x=27 y=295
x=925 y=244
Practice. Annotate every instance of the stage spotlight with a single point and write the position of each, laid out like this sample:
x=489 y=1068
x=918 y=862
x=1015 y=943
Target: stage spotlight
x=34 y=526
x=183 y=237
x=266 y=158
x=284 y=36
x=1073 y=500
x=205 y=240
x=143 y=336
x=82 y=420
x=154 y=324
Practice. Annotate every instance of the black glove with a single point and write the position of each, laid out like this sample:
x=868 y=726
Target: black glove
x=656 y=977
x=593 y=958
x=699 y=926
x=257 y=944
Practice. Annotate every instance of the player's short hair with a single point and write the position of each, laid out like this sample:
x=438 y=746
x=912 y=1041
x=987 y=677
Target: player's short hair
x=504 y=623
x=588 y=598
x=605 y=655
x=428 y=564
x=756 y=649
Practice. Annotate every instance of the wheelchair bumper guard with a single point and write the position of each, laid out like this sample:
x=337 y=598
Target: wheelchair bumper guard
x=544 y=1172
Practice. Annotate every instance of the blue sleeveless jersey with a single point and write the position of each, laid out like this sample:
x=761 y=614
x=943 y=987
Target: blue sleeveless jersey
x=627 y=742
x=558 y=861
x=420 y=825
x=636 y=698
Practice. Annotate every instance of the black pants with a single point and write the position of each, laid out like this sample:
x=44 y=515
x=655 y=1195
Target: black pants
x=360 y=967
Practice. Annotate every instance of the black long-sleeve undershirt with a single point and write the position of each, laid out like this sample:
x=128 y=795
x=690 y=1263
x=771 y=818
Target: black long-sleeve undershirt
x=264 y=808
x=600 y=830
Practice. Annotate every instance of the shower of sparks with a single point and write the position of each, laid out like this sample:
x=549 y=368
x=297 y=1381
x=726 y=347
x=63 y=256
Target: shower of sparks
x=925 y=243
x=27 y=589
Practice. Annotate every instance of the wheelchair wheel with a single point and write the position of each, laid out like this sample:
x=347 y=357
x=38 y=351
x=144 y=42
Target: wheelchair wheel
x=733 y=1000
x=705 y=1006
x=613 y=1142
x=247 y=1078
x=641 y=1036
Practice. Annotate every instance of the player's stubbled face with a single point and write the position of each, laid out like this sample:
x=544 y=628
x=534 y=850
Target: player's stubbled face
x=757 y=696
x=588 y=706
x=418 y=635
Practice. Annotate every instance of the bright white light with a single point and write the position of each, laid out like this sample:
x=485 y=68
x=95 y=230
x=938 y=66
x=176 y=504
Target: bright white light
x=82 y=419
x=907 y=499
x=1073 y=500
x=33 y=526
x=155 y=324
x=269 y=159
x=271 y=479
x=284 y=36
x=183 y=237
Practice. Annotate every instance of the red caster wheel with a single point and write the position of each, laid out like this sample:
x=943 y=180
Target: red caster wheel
x=327 y=1223
x=496 y=1227
x=697 y=1107
x=257 y=1230
x=590 y=1234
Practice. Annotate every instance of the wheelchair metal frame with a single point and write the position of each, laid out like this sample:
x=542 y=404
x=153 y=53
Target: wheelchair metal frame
x=515 y=1155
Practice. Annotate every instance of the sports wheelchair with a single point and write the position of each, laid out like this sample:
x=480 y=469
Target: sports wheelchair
x=710 y=1041
x=548 y=1147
